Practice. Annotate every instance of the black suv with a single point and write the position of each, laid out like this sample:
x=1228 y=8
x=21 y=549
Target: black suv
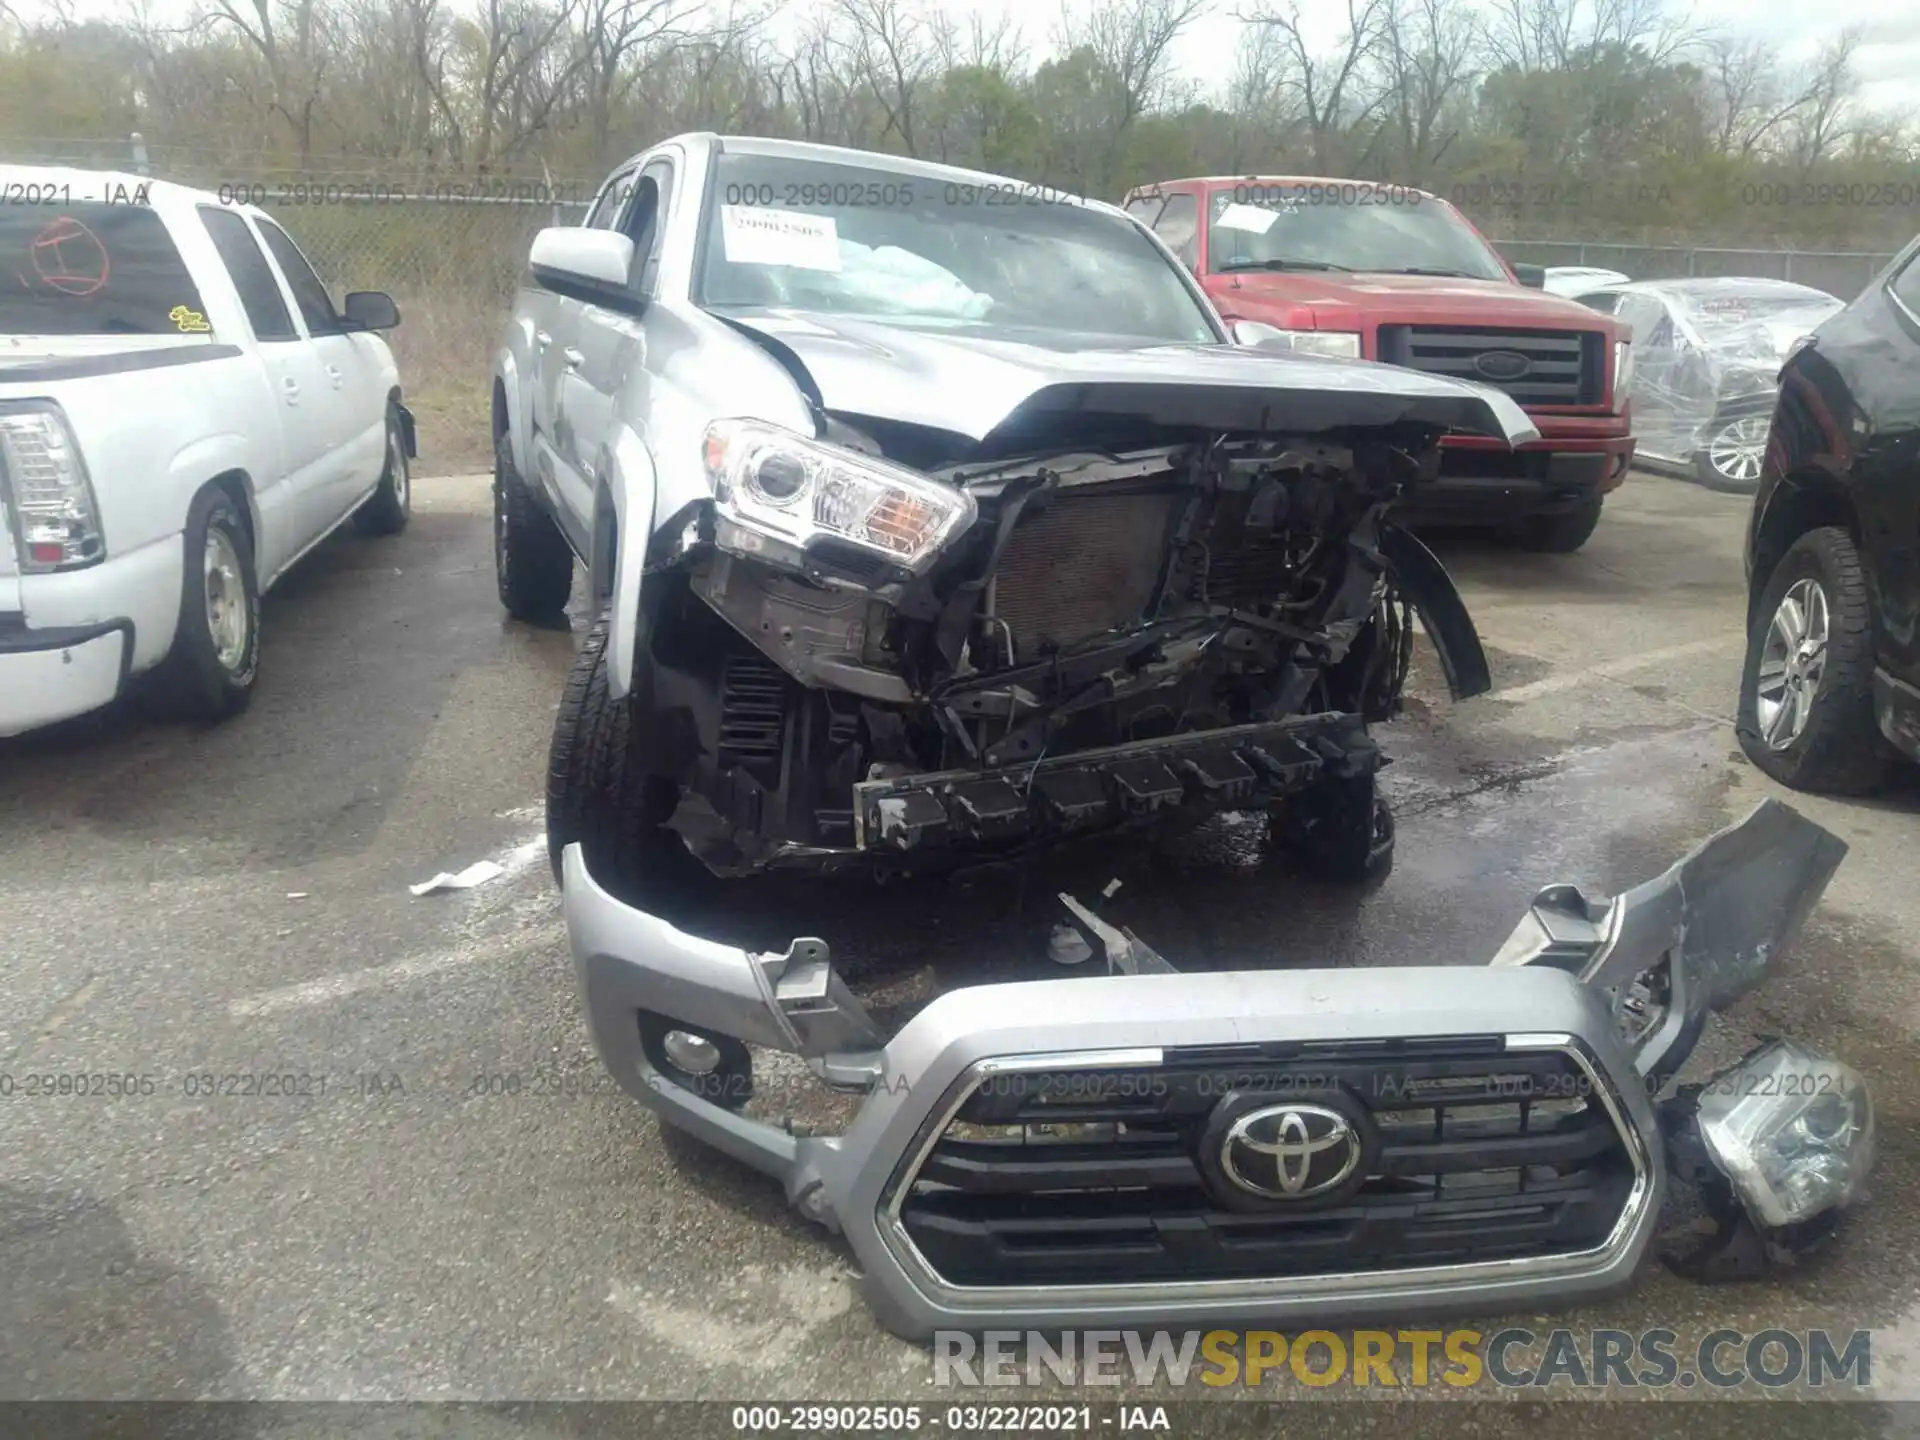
x=1830 y=692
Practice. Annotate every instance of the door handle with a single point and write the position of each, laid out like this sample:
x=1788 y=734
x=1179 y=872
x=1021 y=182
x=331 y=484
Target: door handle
x=573 y=358
x=541 y=339
x=333 y=374
x=291 y=388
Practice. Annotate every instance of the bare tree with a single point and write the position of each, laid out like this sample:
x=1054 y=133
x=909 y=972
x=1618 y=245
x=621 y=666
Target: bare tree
x=1826 y=90
x=894 y=50
x=1564 y=34
x=1329 y=88
x=294 y=44
x=1429 y=54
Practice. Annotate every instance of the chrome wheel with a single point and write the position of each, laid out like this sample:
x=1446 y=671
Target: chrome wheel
x=229 y=612
x=1739 y=448
x=1792 y=663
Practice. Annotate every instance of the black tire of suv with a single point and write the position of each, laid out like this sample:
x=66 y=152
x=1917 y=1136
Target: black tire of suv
x=1340 y=830
x=387 y=510
x=1562 y=533
x=531 y=561
x=596 y=793
x=1841 y=752
x=191 y=683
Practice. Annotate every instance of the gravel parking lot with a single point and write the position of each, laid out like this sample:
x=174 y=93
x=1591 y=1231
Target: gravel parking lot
x=185 y=906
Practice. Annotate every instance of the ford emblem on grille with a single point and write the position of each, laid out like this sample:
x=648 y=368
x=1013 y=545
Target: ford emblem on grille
x=1502 y=364
x=1290 y=1152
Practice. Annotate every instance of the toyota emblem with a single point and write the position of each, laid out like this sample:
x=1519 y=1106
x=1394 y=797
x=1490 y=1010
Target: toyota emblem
x=1290 y=1152
x=1502 y=364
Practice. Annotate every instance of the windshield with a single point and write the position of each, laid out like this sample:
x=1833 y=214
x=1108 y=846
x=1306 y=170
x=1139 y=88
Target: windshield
x=1342 y=226
x=93 y=268
x=1006 y=258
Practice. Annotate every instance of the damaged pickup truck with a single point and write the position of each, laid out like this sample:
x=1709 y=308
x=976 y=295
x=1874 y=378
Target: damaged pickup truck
x=931 y=517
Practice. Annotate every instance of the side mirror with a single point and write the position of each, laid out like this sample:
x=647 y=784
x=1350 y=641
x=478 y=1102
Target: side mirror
x=1253 y=332
x=1534 y=277
x=370 y=310
x=588 y=265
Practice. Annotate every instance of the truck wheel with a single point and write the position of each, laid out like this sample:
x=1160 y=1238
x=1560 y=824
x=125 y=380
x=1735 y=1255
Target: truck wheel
x=1562 y=533
x=388 y=509
x=209 y=672
x=596 y=792
x=1339 y=830
x=531 y=561
x=1806 y=712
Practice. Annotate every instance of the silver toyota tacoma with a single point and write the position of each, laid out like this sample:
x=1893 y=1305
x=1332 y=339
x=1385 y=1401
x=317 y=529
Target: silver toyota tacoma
x=932 y=518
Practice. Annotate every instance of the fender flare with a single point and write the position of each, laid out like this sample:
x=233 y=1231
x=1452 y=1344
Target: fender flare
x=623 y=518
x=1443 y=613
x=506 y=373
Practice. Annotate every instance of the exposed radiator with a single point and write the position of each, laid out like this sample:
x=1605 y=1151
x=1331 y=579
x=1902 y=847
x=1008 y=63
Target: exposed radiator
x=1086 y=564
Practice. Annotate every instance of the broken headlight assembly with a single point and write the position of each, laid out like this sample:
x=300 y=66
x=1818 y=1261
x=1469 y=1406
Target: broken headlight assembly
x=777 y=493
x=1776 y=1147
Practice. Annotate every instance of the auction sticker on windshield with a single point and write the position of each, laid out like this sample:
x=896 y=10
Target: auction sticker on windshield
x=757 y=236
x=1250 y=218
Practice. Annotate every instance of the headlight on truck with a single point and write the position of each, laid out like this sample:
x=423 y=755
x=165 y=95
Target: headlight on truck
x=1792 y=1129
x=1622 y=373
x=43 y=480
x=789 y=489
x=1341 y=344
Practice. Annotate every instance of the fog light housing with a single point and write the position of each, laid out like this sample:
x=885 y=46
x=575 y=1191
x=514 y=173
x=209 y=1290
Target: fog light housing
x=1791 y=1129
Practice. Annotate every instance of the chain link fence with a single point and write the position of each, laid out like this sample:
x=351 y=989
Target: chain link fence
x=1844 y=273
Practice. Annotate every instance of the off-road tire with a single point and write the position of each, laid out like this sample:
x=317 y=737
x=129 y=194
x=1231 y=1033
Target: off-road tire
x=1561 y=533
x=597 y=792
x=1841 y=751
x=387 y=510
x=1339 y=830
x=531 y=561
x=191 y=683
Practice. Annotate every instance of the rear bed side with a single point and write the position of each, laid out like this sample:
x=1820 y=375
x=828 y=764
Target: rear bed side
x=155 y=418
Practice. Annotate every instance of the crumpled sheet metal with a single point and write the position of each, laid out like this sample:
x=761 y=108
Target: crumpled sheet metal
x=1721 y=916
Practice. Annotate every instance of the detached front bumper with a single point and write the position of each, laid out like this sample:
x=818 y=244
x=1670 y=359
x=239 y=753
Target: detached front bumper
x=1310 y=1037
x=1150 y=1148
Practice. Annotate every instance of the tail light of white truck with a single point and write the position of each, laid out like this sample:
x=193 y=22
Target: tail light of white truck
x=49 y=498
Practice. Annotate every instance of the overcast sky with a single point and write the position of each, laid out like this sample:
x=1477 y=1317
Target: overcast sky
x=1888 y=62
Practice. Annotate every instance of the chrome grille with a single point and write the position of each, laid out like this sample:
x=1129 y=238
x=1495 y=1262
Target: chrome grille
x=1561 y=367
x=1089 y=1177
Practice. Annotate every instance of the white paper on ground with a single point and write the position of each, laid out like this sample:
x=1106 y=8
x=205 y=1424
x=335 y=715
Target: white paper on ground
x=1250 y=218
x=754 y=235
x=477 y=873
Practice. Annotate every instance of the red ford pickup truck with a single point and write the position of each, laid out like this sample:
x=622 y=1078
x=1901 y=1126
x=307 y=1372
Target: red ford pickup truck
x=1383 y=272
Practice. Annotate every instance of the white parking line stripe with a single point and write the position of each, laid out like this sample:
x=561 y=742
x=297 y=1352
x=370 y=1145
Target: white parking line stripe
x=1613 y=669
x=329 y=988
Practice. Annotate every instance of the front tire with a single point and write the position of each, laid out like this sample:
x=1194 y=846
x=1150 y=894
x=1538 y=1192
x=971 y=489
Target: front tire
x=599 y=792
x=388 y=509
x=210 y=671
x=1340 y=830
x=532 y=564
x=1561 y=533
x=1806 y=713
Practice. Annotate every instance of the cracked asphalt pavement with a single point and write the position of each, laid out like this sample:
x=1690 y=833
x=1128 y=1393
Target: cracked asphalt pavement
x=359 y=1146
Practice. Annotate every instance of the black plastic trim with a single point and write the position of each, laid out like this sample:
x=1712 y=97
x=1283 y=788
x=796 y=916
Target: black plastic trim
x=80 y=367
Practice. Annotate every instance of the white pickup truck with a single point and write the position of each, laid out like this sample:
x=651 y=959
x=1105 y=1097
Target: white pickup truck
x=183 y=414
